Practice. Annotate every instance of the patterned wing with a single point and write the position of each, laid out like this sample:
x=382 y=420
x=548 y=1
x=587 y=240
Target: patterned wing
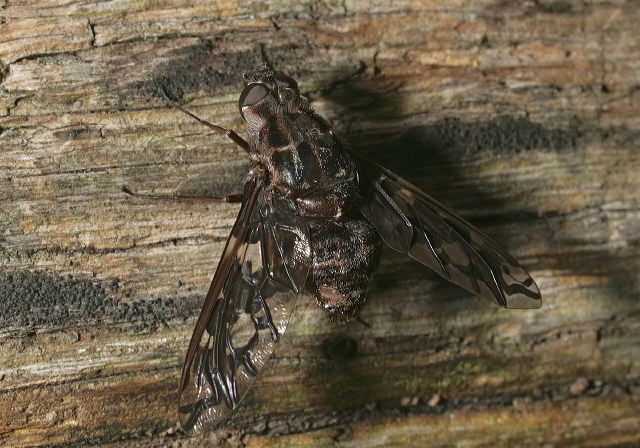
x=263 y=268
x=410 y=221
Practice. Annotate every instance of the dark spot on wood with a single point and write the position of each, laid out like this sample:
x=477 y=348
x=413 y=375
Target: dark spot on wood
x=31 y=298
x=274 y=22
x=75 y=133
x=4 y=71
x=339 y=347
x=502 y=134
x=553 y=7
x=195 y=68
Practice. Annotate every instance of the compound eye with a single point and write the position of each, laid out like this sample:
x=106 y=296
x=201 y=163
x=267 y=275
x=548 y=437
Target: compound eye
x=286 y=81
x=252 y=94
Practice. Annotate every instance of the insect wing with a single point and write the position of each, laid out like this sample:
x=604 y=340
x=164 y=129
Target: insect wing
x=263 y=268
x=410 y=221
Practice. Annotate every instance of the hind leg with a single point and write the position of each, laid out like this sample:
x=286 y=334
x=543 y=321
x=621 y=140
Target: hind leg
x=345 y=255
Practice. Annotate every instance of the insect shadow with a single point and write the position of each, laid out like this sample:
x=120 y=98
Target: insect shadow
x=428 y=155
x=364 y=108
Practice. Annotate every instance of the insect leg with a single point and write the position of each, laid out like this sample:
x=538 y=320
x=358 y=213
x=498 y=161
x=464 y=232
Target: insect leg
x=232 y=198
x=219 y=129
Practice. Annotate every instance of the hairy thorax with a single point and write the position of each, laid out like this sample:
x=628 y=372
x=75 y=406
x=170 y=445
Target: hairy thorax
x=306 y=162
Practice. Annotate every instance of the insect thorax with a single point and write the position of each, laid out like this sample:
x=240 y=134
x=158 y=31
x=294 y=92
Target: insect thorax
x=304 y=158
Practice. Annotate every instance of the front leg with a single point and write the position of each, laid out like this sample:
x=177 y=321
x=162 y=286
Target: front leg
x=219 y=129
x=232 y=198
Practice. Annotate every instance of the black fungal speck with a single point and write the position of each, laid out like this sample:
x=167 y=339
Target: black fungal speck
x=339 y=347
x=31 y=298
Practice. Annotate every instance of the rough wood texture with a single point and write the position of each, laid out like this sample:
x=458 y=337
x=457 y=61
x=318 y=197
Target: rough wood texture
x=524 y=117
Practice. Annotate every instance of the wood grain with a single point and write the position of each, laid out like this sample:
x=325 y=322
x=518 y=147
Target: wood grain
x=522 y=116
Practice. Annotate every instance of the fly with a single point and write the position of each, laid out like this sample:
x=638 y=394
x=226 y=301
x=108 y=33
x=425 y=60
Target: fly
x=313 y=217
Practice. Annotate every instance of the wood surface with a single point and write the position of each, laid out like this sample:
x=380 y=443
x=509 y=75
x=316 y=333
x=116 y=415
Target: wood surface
x=524 y=117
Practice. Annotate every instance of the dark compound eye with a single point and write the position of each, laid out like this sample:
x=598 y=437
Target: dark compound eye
x=252 y=94
x=286 y=81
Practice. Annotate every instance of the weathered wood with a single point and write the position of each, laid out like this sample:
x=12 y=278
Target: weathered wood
x=524 y=117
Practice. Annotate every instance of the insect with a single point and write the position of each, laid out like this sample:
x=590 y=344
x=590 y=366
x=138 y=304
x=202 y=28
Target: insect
x=314 y=217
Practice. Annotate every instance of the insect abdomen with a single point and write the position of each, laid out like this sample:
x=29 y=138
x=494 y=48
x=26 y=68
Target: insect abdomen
x=345 y=255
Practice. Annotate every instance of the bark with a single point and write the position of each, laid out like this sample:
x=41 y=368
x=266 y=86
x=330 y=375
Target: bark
x=523 y=117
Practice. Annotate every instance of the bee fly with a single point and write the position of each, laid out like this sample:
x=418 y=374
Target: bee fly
x=313 y=217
